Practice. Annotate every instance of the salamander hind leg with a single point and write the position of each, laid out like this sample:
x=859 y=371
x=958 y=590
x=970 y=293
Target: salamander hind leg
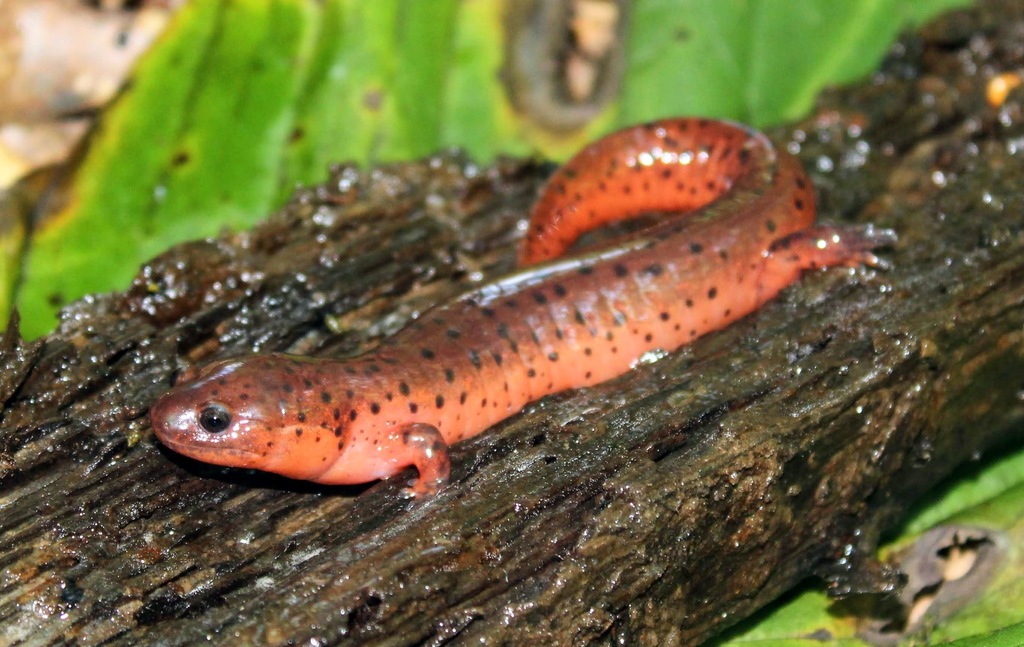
x=429 y=453
x=830 y=246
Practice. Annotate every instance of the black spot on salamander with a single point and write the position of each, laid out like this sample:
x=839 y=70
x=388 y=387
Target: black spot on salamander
x=587 y=351
x=474 y=357
x=531 y=372
x=648 y=337
x=427 y=353
x=664 y=316
x=453 y=334
x=243 y=396
x=439 y=401
x=711 y=185
x=325 y=397
x=350 y=370
x=608 y=335
x=585 y=270
x=389 y=396
x=540 y=298
x=287 y=388
x=497 y=358
x=799 y=204
x=483 y=403
x=654 y=269
x=349 y=393
x=627 y=189
x=553 y=356
x=696 y=248
x=666 y=172
x=462 y=397
x=374 y=368
x=726 y=152
x=449 y=375
x=689 y=303
x=337 y=413
x=503 y=330
x=487 y=312
x=580 y=319
x=403 y=388
x=352 y=415
x=512 y=304
x=298 y=432
x=308 y=383
x=728 y=311
x=413 y=407
x=559 y=334
x=222 y=381
x=569 y=173
x=724 y=255
x=800 y=183
x=559 y=290
x=712 y=293
x=770 y=225
x=560 y=187
x=744 y=155
x=301 y=416
x=338 y=431
x=374 y=408
x=618 y=318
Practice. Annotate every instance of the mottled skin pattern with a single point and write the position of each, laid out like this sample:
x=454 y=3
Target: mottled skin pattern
x=468 y=364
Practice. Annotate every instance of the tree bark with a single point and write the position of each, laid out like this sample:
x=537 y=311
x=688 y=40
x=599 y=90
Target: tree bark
x=658 y=508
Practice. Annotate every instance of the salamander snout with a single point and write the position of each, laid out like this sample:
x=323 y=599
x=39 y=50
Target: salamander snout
x=168 y=418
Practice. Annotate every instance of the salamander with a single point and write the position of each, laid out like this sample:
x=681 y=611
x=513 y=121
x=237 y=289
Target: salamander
x=742 y=229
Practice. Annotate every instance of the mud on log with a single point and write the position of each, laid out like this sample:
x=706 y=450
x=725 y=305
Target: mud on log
x=654 y=509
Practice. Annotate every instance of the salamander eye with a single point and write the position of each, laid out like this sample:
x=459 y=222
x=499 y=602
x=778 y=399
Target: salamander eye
x=214 y=418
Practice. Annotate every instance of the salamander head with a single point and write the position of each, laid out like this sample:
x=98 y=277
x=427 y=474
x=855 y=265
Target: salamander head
x=263 y=412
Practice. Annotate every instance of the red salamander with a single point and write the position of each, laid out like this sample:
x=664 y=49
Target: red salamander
x=468 y=364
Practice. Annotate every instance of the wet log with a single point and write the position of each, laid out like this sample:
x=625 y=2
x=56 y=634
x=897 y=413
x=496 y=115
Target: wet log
x=658 y=508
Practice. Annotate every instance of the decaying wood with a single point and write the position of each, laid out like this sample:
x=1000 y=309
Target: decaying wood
x=654 y=509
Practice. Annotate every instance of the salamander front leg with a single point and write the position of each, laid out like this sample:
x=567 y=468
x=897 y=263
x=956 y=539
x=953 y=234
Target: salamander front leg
x=429 y=453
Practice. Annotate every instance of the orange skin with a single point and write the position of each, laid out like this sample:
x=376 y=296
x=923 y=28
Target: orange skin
x=468 y=364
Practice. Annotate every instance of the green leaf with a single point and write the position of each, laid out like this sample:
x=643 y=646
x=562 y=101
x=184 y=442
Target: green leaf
x=1012 y=636
x=988 y=496
x=760 y=62
x=193 y=146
